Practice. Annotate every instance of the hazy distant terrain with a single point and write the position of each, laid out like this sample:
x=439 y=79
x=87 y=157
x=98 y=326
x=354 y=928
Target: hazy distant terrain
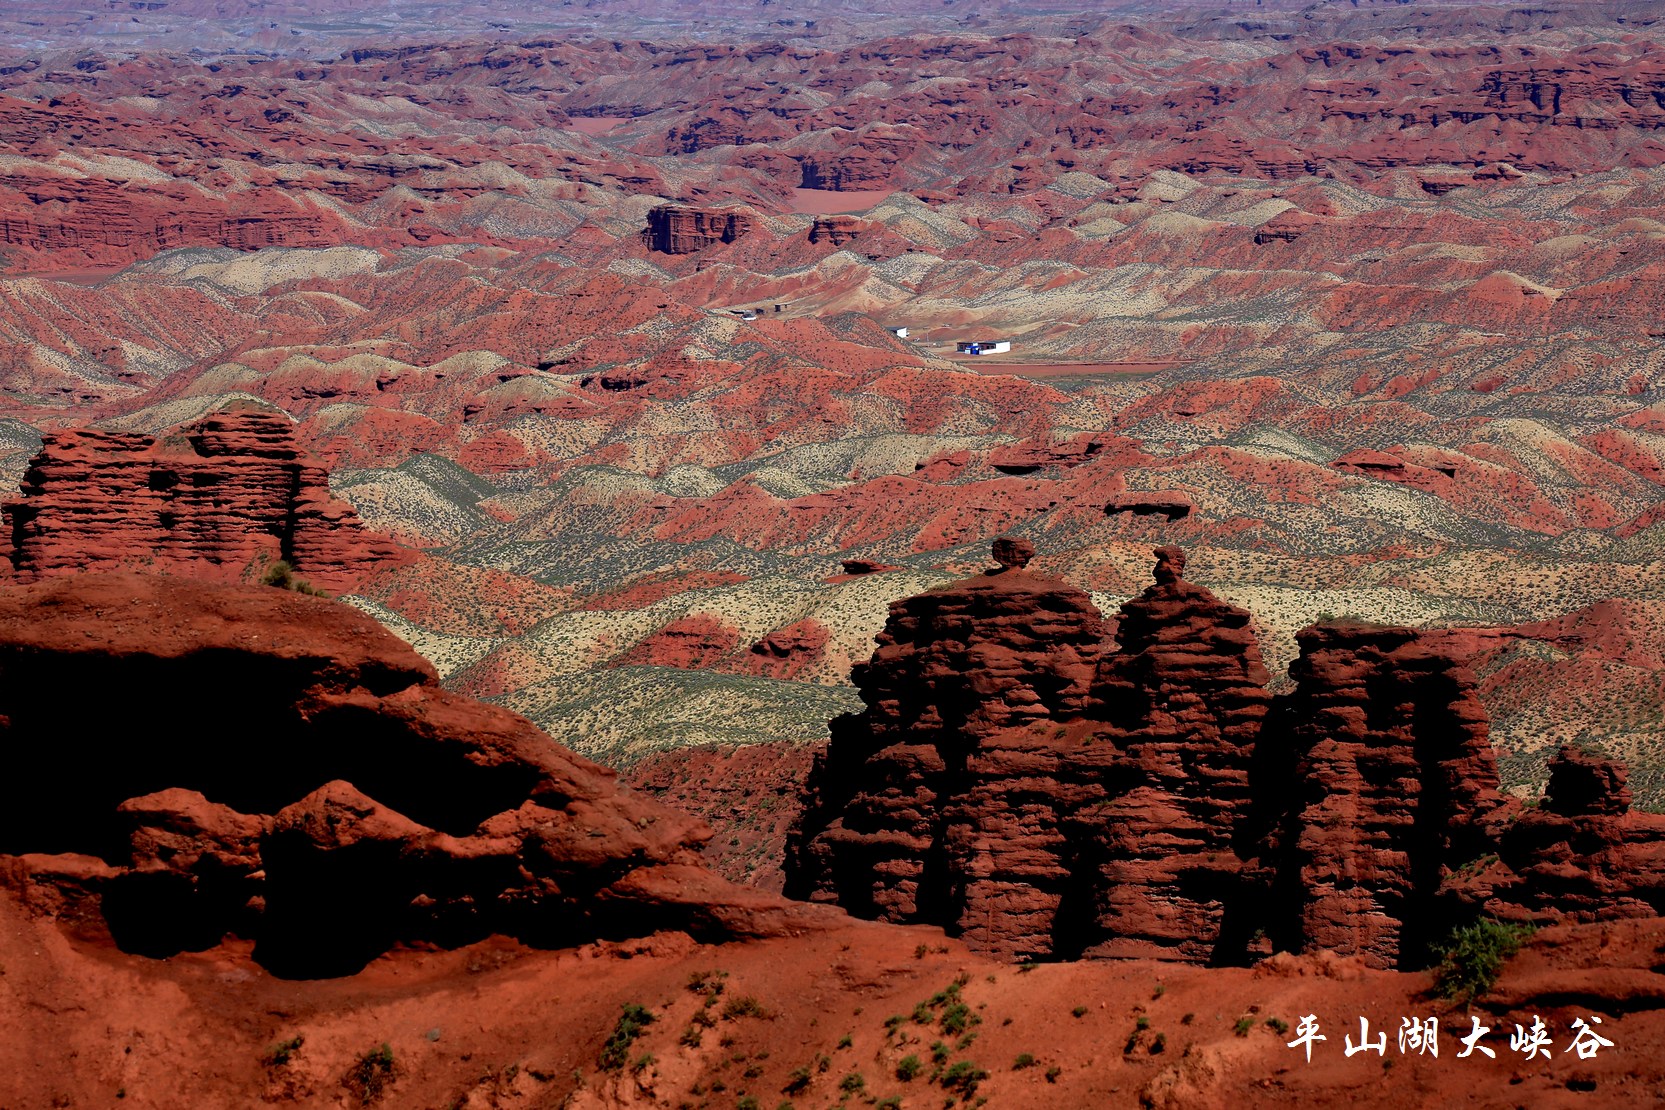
x=1365 y=300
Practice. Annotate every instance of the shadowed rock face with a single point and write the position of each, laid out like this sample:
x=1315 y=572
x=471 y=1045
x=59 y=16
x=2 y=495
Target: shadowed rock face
x=1041 y=792
x=1380 y=766
x=673 y=230
x=913 y=813
x=218 y=500
x=322 y=795
x=1580 y=856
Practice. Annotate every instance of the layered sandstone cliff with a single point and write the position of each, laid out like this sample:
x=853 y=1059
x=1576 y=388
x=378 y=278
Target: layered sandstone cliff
x=217 y=500
x=323 y=796
x=677 y=230
x=1045 y=793
x=1382 y=774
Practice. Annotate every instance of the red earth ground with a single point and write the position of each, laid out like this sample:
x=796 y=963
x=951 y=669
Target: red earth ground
x=499 y=1025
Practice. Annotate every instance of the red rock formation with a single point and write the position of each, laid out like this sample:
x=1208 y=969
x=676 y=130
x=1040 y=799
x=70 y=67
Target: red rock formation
x=1183 y=697
x=217 y=500
x=1173 y=810
x=1381 y=768
x=835 y=231
x=900 y=812
x=697 y=640
x=676 y=230
x=1582 y=855
x=324 y=796
x=787 y=652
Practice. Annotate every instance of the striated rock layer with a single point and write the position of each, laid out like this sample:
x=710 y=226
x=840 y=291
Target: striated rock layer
x=1044 y=793
x=321 y=795
x=217 y=500
x=675 y=230
x=1382 y=770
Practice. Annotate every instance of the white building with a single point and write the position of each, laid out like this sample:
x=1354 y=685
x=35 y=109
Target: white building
x=899 y=333
x=984 y=346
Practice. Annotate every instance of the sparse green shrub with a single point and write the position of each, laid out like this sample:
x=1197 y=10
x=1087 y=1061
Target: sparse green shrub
x=744 y=1007
x=1141 y=1023
x=798 y=1080
x=747 y=1102
x=281 y=574
x=1024 y=1060
x=1471 y=960
x=939 y=1052
x=963 y=1077
x=907 y=1068
x=373 y=1072
x=708 y=983
x=616 y=1052
x=1244 y=1024
x=1053 y=1073
x=1277 y=1025
x=282 y=1052
x=1079 y=1011
x=956 y=1018
x=1159 y=1045
x=852 y=1083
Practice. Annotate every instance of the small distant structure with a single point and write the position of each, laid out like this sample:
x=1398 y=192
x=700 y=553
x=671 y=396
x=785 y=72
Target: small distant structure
x=984 y=346
x=899 y=333
x=744 y=313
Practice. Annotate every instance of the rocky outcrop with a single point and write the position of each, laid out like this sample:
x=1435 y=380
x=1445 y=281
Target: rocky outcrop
x=835 y=231
x=677 y=230
x=917 y=811
x=217 y=500
x=322 y=796
x=1168 y=504
x=1381 y=772
x=1043 y=793
x=1582 y=855
x=1183 y=696
x=787 y=652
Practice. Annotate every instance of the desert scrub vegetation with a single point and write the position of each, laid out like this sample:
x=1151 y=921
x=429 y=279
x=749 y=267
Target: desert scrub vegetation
x=616 y=1052
x=746 y=1006
x=1470 y=961
x=280 y=573
x=370 y=1076
x=282 y=1052
x=963 y=1077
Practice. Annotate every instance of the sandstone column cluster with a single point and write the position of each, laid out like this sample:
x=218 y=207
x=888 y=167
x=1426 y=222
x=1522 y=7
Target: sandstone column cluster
x=1050 y=784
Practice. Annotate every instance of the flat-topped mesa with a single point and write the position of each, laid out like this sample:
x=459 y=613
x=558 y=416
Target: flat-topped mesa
x=1381 y=778
x=955 y=667
x=1181 y=700
x=673 y=229
x=217 y=501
